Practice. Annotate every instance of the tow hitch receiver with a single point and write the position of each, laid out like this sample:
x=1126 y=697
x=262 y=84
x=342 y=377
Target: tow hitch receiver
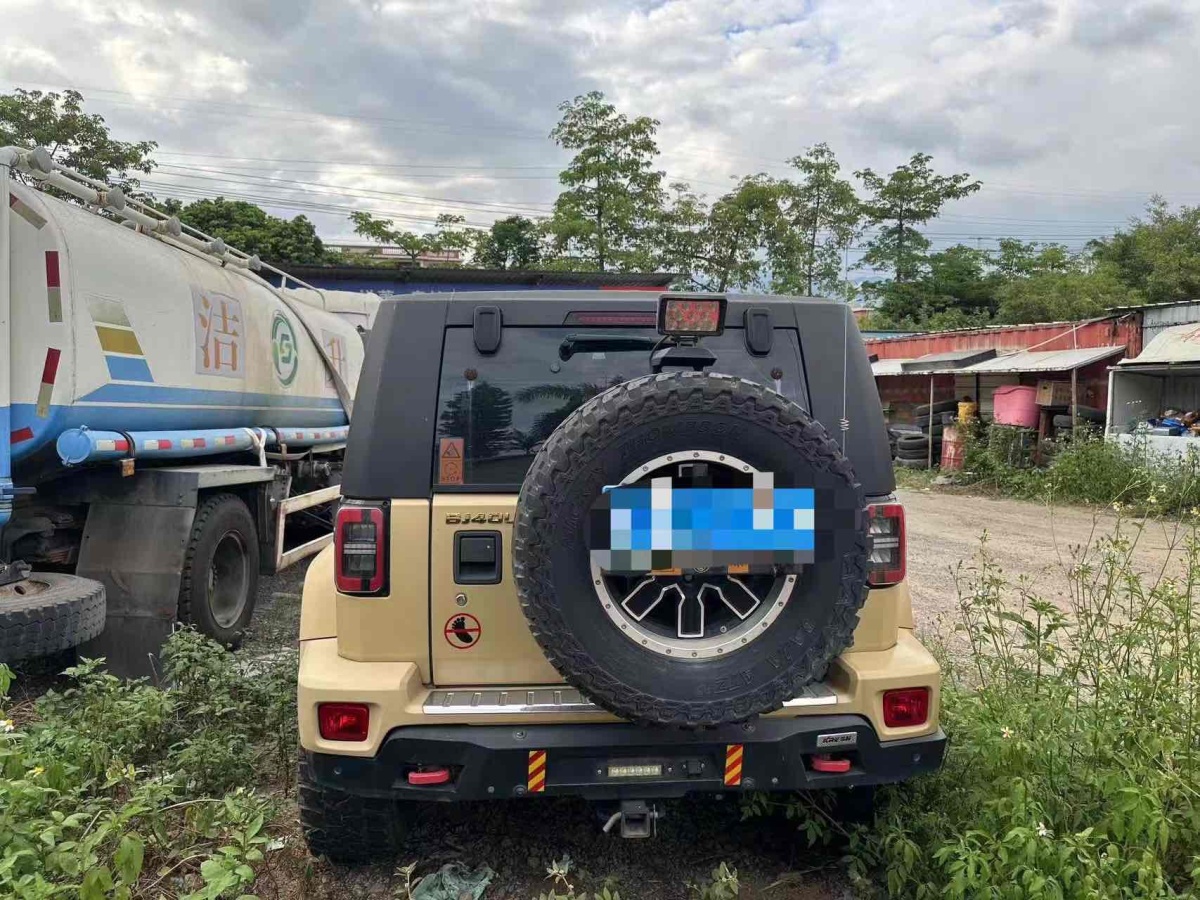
x=637 y=818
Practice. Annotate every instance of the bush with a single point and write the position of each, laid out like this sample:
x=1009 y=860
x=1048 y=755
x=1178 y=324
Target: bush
x=115 y=788
x=1073 y=762
x=1085 y=469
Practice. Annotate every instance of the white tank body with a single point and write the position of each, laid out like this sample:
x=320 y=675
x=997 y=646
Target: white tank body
x=116 y=330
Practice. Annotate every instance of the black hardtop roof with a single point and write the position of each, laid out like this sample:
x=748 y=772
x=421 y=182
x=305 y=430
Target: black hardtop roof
x=550 y=307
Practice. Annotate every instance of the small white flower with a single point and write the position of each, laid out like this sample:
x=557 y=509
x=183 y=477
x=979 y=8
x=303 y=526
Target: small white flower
x=1042 y=830
x=1006 y=732
x=6 y=726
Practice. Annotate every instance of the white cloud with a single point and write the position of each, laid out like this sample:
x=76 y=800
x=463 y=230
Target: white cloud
x=1070 y=112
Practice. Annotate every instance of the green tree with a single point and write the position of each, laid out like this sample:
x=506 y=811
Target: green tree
x=252 y=230
x=73 y=137
x=448 y=234
x=1018 y=259
x=1059 y=296
x=511 y=243
x=607 y=213
x=820 y=217
x=910 y=196
x=720 y=247
x=1158 y=257
x=955 y=289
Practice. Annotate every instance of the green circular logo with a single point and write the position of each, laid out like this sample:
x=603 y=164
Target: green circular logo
x=284 y=349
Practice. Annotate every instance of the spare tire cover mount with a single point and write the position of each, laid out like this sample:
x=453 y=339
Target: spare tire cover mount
x=660 y=610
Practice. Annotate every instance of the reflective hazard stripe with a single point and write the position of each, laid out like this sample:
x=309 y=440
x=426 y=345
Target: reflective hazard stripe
x=537 y=771
x=25 y=211
x=192 y=443
x=53 y=287
x=119 y=444
x=733 y=765
x=49 y=374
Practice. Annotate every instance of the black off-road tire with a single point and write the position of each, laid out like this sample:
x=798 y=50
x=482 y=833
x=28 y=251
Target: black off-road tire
x=909 y=463
x=941 y=406
x=47 y=613
x=346 y=828
x=603 y=442
x=217 y=517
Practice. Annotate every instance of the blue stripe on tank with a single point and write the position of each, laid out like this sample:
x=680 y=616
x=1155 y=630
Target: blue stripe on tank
x=128 y=368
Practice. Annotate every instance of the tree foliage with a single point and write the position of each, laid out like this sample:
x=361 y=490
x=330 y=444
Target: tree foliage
x=719 y=247
x=613 y=195
x=820 y=216
x=1158 y=257
x=73 y=137
x=448 y=234
x=897 y=203
x=511 y=243
x=252 y=230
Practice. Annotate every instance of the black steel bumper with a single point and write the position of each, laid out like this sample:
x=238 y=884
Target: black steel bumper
x=494 y=761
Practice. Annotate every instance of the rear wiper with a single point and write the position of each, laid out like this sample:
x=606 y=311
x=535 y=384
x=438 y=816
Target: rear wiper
x=598 y=343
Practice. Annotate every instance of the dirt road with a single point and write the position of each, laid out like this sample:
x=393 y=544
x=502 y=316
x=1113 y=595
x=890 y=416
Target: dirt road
x=1025 y=539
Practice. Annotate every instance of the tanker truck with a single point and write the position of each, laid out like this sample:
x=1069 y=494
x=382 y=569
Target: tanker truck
x=165 y=410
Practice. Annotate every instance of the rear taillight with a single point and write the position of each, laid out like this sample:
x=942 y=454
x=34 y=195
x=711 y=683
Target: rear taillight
x=906 y=707
x=888 y=550
x=344 y=721
x=360 y=549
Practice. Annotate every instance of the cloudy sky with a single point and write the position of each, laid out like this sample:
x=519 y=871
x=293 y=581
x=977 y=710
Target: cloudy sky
x=1072 y=113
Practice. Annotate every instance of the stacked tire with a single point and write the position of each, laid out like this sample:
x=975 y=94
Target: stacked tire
x=912 y=449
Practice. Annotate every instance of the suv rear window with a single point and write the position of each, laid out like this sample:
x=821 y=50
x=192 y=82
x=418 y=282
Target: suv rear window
x=495 y=411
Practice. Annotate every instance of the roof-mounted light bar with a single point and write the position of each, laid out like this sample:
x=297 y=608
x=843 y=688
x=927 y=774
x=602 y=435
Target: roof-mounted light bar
x=691 y=315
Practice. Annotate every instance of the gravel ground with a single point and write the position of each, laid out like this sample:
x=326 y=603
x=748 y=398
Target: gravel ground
x=1025 y=539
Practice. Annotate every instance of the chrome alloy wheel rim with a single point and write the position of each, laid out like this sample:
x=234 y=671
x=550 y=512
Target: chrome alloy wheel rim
x=696 y=613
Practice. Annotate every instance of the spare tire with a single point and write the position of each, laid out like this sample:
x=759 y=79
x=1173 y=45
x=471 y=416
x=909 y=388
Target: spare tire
x=735 y=645
x=48 y=612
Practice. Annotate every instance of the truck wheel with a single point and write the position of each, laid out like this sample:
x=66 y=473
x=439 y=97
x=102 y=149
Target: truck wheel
x=725 y=645
x=344 y=827
x=220 y=570
x=48 y=612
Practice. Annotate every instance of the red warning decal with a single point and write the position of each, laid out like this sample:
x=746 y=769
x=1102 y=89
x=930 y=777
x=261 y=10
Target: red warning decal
x=462 y=631
x=450 y=461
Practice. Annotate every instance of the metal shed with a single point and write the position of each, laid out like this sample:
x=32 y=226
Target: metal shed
x=1165 y=375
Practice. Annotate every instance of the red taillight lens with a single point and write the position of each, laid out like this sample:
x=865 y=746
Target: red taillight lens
x=889 y=552
x=343 y=721
x=360 y=549
x=906 y=707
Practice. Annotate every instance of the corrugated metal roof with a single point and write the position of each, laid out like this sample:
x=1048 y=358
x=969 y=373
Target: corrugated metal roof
x=948 y=361
x=888 y=366
x=1024 y=361
x=1173 y=345
x=1046 y=360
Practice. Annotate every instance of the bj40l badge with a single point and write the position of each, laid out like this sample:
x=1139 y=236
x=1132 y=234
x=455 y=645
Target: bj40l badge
x=479 y=518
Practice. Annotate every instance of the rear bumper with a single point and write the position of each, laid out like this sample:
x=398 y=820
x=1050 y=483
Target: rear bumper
x=494 y=762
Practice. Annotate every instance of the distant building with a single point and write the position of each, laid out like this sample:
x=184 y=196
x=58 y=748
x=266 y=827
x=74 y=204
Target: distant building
x=390 y=252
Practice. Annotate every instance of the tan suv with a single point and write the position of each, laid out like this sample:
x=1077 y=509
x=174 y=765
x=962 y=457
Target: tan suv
x=620 y=546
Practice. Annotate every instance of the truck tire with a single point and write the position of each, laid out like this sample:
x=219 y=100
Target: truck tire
x=47 y=613
x=220 y=570
x=940 y=407
x=346 y=828
x=799 y=620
